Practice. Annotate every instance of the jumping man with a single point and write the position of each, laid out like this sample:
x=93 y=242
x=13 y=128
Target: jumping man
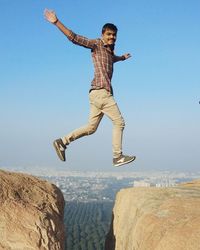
x=101 y=92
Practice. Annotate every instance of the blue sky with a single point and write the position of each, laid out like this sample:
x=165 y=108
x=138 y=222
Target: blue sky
x=45 y=79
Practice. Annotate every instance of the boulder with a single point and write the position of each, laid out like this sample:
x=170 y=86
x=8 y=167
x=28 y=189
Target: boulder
x=150 y=218
x=31 y=213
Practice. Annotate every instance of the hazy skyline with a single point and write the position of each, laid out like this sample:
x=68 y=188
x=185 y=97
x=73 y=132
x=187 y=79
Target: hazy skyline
x=45 y=82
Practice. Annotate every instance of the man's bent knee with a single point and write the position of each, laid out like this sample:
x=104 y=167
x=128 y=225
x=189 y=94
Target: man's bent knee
x=91 y=129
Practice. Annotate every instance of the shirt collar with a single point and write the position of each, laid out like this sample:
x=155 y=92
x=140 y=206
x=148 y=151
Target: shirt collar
x=112 y=47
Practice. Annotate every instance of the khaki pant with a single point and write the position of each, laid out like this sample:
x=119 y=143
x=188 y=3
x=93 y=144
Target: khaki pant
x=101 y=102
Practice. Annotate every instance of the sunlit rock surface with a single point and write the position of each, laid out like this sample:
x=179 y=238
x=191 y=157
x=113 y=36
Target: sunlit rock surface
x=156 y=219
x=31 y=213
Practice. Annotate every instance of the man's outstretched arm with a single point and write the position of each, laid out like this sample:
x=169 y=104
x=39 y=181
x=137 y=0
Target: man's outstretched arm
x=50 y=16
x=121 y=58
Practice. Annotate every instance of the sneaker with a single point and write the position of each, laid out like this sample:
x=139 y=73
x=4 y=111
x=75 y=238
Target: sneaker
x=60 y=148
x=123 y=159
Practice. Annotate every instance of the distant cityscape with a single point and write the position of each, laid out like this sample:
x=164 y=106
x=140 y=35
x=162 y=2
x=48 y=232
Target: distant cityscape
x=94 y=186
x=103 y=186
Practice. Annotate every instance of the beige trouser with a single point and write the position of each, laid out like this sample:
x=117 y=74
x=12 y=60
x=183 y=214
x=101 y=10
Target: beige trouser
x=101 y=102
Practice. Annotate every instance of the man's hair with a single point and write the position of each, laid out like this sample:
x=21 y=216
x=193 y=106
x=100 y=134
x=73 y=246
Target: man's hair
x=109 y=26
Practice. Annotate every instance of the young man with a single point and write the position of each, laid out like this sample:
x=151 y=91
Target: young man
x=101 y=92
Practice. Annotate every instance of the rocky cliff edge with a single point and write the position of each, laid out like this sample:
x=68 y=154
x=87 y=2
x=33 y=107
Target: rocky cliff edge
x=156 y=219
x=31 y=213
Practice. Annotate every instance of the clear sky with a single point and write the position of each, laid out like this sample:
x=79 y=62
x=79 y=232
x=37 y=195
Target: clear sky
x=44 y=83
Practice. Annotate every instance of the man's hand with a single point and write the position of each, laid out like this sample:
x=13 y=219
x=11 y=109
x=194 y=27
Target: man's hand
x=126 y=56
x=50 y=16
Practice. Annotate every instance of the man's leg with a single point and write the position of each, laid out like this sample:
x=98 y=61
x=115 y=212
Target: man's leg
x=112 y=111
x=93 y=123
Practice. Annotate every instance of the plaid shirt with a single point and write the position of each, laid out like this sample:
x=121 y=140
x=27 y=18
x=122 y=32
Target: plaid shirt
x=103 y=60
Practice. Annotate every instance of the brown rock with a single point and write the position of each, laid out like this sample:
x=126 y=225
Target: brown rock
x=31 y=213
x=156 y=219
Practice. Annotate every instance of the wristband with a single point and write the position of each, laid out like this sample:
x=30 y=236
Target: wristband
x=55 y=21
x=123 y=58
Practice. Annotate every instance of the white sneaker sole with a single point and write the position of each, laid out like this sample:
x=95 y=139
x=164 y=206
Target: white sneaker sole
x=123 y=163
x=58 y=151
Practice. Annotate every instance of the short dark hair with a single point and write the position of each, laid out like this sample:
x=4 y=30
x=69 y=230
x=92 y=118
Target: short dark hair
x=109 y=26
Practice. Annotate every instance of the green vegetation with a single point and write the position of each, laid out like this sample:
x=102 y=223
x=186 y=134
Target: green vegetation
x=87 y=224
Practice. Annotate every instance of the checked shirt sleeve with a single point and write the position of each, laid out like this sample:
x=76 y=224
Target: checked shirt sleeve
x=82 y=41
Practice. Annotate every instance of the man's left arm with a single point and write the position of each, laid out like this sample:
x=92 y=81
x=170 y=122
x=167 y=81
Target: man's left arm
x=121 y=58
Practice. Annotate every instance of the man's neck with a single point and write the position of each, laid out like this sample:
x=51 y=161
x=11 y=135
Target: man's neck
x=111 y=47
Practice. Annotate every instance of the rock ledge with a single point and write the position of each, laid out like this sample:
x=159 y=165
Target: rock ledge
x=156 y=219
x=31 y=213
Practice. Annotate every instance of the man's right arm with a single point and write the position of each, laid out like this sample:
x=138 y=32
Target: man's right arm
x=77 y=39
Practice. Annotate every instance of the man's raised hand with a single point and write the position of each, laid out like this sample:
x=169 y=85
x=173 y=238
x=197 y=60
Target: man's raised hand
x=126 y=56
x=50 y=16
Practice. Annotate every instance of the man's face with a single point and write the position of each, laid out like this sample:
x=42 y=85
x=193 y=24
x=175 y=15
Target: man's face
x=109 y=37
